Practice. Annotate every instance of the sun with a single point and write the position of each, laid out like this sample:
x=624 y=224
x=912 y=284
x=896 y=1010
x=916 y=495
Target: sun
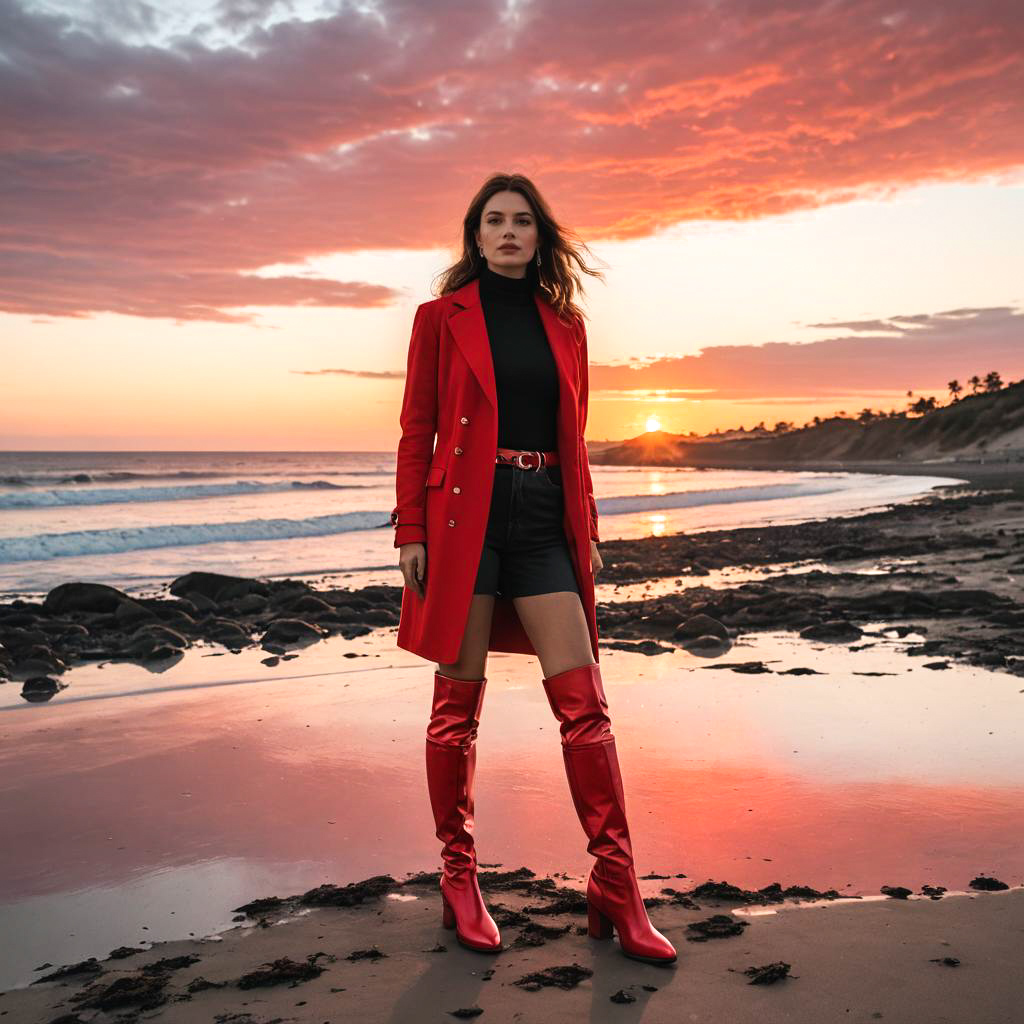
x=653 y=423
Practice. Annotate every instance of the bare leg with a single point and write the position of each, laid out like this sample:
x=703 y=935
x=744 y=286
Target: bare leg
x=472 y=660
x=557 y=628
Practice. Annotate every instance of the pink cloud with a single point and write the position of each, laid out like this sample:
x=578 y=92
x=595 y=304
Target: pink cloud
x=151 y=180
x=939 y=347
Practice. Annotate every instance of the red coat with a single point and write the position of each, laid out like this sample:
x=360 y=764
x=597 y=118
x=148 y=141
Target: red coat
x=444 y=492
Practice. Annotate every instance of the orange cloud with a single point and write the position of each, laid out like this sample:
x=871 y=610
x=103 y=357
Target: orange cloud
x=151 y=180
x=924 y=352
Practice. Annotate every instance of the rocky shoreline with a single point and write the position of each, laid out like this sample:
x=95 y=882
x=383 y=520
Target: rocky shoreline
x=945 y=566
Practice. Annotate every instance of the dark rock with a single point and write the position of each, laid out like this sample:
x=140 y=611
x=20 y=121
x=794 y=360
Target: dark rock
x=171 y=963
x=746 y=667
x=373 y=953
x=216 y=587
x=123 y=951
x=200 y=984
x=701 y=625
x=88 y=967
x=129 y=611
x=41 y=688
x=896 y=892
x=310 y=603
x=38 y=666
x=83 y=597
x=768 y=974
x=718 y=926
x=250 y=604
x=835 y=630
x=290 y=631
x=350 y=895
x=534 y=934
x=260 y=906
x=566 y=977
x=506 y=917
x=143 y=991
x=282 y=971
x=161 y=634
x=227 y=632
x=986 y=884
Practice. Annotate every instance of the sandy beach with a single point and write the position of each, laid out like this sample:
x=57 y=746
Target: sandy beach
x=950 y=958
x=235 y=859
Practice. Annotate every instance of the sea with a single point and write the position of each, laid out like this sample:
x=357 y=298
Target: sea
x=137 y=520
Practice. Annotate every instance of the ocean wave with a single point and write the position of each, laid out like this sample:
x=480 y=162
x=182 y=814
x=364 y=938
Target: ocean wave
x=44 y=479
x=46 y=546
x=58 y=498
x=724 y=495
x=118 y=476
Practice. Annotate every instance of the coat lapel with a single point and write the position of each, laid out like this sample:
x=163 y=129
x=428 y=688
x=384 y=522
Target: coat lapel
x=469 y=329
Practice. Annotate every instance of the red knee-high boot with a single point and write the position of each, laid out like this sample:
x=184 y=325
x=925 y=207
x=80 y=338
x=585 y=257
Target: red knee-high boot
x=451 y=761
x=578 y=701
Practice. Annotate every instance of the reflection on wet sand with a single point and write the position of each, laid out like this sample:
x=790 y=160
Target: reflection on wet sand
x=231 y=778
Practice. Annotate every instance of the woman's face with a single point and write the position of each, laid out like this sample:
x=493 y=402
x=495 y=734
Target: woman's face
x=507 y=221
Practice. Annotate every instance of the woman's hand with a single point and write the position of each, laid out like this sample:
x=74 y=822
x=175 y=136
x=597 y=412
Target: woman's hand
x=595 y=558
x=412 y=560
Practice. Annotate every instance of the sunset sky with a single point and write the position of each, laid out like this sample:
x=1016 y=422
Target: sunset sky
x=217 y=219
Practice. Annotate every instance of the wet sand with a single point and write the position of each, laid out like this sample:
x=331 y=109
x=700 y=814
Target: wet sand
x=952 y=958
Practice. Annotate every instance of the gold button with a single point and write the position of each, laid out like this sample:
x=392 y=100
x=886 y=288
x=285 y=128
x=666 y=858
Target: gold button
x=451 y=522
x=458 y=451
x=465 y=419
x=456 y=490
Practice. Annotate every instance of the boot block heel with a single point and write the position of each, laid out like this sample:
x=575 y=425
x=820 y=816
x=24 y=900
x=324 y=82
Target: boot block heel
x=598 y=926
x=447 y=914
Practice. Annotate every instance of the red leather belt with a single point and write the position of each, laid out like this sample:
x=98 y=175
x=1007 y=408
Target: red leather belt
x=524 y=459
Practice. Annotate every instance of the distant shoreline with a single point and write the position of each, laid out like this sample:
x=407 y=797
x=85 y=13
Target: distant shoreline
x=995 y=473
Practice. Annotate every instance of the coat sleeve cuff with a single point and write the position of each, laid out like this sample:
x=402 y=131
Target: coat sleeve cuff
x=410 y=535
x=409 y=525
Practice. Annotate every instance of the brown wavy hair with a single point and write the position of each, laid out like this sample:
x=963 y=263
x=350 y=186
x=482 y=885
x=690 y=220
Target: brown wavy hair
x=558 y=246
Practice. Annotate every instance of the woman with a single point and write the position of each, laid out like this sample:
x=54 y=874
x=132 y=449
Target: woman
x=504 y=509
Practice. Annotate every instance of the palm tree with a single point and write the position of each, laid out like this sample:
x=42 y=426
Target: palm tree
x=993 y=381
x=975 y=383
x=954 y=390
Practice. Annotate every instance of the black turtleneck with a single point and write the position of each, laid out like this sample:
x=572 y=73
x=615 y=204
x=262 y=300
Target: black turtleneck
x=524 y=368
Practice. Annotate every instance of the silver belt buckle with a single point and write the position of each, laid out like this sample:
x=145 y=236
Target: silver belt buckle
x=520 y=464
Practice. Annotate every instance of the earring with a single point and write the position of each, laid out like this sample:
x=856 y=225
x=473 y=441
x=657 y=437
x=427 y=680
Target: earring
x=538 y=257
x=481 y=250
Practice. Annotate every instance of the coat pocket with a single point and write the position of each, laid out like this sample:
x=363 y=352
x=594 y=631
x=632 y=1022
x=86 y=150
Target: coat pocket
x=435 y=475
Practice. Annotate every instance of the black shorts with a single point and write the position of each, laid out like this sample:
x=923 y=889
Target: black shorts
x=525 y=549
